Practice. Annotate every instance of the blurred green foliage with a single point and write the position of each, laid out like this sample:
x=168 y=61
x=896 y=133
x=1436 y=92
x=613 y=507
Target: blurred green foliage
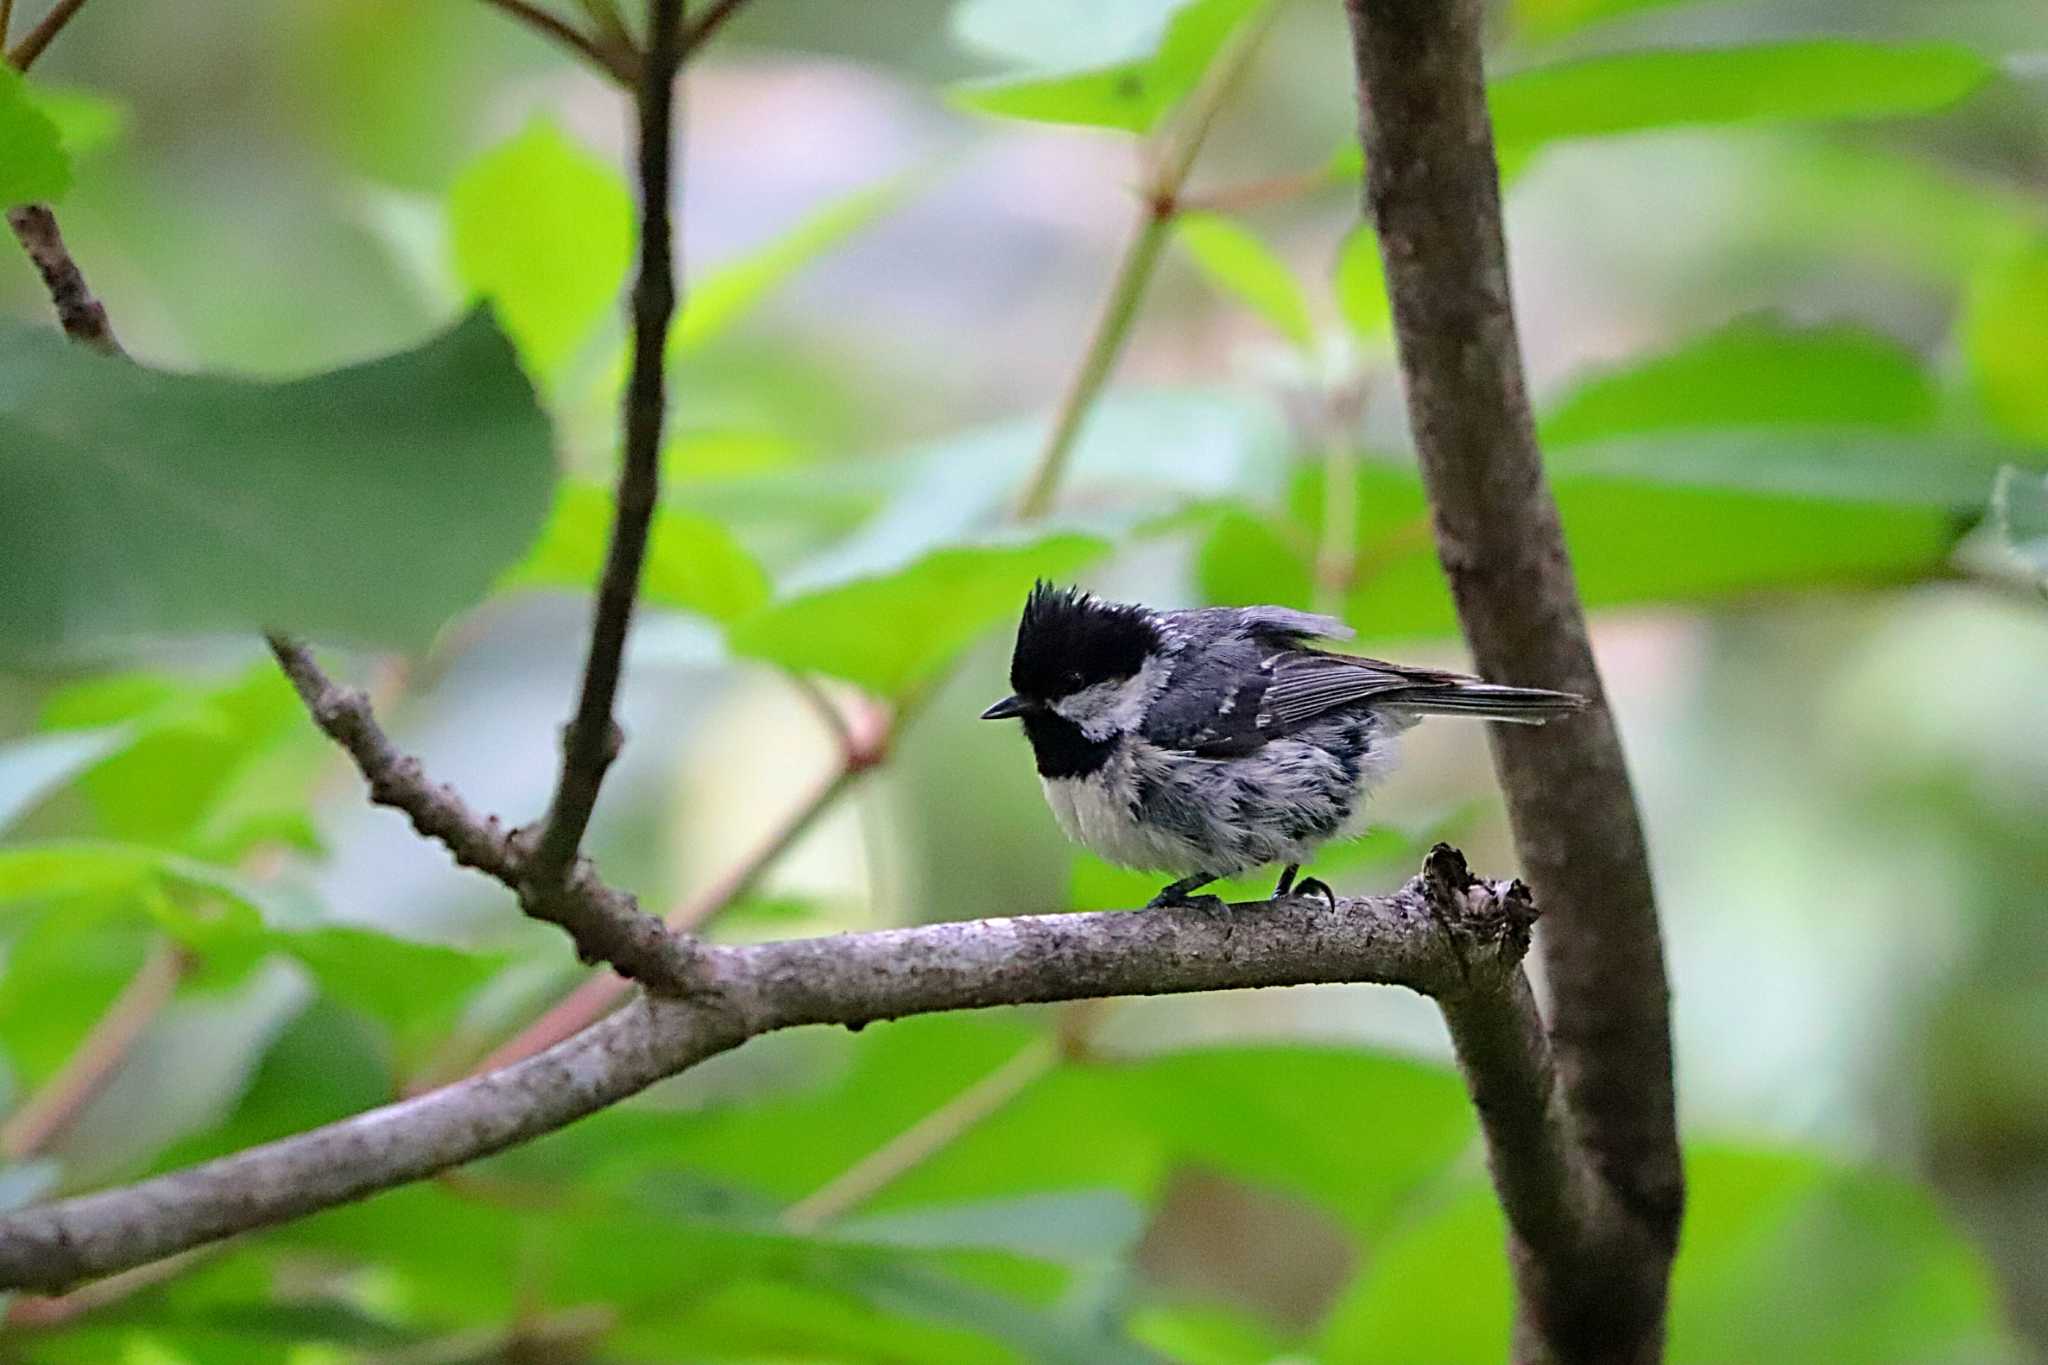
x=1837 y=365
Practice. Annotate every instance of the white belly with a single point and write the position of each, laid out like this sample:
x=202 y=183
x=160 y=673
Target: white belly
x=1095 y=812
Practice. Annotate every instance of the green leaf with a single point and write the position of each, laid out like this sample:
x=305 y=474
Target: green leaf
x=33 y=165
x=808 y=1319
x=1788 y=1256
x=184 y=1074
x=1753 y=373
x=1555 y=18
x=1847 y=465
x=1784 y=1258
x=890 y=633
x=1249 y=560
x=1827 y=78
x=693 y=563
x=1067 y=1225
x=365 y=505
x=30 y=769
x=211 y=770
x=1362 y=285
x=723 y=295
x=544 y=230
x=1436 y=1289
x=86 y=120
x=2004 y=330
x=1686 y=517
x=1631 y=91
x=1238 y=262
x=1069 y=35
x=1132 y=92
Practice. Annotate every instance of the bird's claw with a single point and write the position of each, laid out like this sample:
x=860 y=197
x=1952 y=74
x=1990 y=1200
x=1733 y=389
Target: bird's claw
x=1316 y=886
x=1170 y=899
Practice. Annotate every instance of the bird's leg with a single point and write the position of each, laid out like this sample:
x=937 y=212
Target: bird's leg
x=1316 y=886
x=1178 y=894
x=1286 y=880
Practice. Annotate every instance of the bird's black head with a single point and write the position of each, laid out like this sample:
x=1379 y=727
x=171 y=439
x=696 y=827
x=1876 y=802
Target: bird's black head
x=1069 y=640
x=1067 y=643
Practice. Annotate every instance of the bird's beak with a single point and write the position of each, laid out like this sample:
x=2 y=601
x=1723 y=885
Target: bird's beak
x=1006 y=708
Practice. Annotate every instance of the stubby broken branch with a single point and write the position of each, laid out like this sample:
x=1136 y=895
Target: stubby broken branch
x=1444 y=934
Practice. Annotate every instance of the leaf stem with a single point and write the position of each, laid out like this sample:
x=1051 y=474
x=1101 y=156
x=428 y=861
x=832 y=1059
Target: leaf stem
x=1171 y=153
x=51 y=1110
x=930 y=1135
x=620 y=62
x=1337 y=553
x=38 y=38
x=707 y=24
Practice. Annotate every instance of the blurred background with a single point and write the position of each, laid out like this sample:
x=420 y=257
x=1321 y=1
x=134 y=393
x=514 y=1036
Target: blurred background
x=1782 y=276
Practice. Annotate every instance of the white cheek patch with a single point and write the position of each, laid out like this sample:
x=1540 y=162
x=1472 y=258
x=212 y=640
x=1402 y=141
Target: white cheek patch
x=1117 y=707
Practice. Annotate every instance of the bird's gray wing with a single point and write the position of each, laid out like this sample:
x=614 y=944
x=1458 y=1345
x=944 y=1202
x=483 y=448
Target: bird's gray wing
x=1309 y=683
x=1233 y=699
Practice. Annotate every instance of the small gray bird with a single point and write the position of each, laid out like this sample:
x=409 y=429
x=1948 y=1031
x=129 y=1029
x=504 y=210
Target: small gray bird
x=1203 y=743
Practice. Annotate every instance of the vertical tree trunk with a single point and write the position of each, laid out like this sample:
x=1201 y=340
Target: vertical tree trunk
x=1432 y=190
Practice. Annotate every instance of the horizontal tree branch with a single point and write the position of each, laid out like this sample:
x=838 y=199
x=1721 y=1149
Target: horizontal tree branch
x=1444 y=935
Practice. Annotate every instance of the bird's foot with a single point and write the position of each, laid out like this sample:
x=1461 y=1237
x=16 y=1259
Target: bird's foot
x=1316 y=886
x=1180 y=896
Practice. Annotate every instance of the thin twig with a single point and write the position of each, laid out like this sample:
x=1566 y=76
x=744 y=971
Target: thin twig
x=924 y=1139
x=606 y=924
x=610 y=24
x=746 y=990
x=51 y=1110
x=1275 y=189
x=621 y=64
x=6 y=21
x=826 y=710
x=592 y=738
x=708 y=23
x=1337 y=552
x=1173 y=154
x=38 y=38
x=78 y=312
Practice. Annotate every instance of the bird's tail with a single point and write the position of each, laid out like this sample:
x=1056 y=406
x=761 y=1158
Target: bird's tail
x=1486 y=701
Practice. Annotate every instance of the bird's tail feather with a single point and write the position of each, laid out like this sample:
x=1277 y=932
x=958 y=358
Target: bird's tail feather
x=1487 y=701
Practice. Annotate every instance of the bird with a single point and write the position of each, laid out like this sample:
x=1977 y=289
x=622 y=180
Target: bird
x=1203 y=743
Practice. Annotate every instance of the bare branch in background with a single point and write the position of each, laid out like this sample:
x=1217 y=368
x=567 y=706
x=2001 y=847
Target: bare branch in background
x=615 y=59
x=1433 y=192
x=1171 y=155
x=45 y=1115
x=847 y=979
x=40 y=37
x=707 y=24
x=606 y=924
x=78 y=312
x=592 y=739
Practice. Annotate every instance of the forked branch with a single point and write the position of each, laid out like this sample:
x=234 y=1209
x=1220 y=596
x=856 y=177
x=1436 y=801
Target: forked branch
x=1444 y=934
